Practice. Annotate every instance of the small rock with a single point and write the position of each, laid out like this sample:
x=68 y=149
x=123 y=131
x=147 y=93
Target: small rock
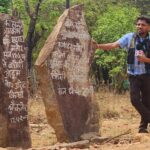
x=88 y=136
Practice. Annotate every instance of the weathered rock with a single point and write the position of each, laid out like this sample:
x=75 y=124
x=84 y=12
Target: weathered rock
x=65 y=146
x=3 y=121
x=14 y=86
x=63 y=70
x=3 y=130
x=89 y=136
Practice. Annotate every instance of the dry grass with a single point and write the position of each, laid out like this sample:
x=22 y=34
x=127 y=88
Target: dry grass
x=114 y=105
x=41 y=133
x=117 y=111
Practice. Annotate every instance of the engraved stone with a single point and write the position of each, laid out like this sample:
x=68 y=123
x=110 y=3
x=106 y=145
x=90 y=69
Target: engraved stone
x=63 y=70
x=14 y=85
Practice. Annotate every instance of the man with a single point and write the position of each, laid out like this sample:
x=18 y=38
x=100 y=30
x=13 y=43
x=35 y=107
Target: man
x=138 y=64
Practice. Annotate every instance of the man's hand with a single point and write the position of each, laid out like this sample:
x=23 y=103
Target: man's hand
x=94 y=44
x=143 y=59
x=107 y=46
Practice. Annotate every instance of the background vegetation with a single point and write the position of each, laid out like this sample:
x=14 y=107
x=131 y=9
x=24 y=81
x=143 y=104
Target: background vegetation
x=107 y=21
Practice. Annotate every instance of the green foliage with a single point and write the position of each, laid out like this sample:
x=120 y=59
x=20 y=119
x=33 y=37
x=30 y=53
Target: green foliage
x=115 y=22
x=142 y=5
x=48 y=15
x=4 y=6
x=93 y=9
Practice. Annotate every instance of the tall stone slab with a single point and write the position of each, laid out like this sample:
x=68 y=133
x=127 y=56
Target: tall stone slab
x=63 y=70
x=14 y=86
x=3 y=120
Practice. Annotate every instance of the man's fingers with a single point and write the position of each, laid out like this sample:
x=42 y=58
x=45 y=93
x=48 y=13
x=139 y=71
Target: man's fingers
x=94 y=43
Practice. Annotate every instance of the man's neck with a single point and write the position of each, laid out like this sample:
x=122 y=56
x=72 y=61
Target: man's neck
x=143 y=35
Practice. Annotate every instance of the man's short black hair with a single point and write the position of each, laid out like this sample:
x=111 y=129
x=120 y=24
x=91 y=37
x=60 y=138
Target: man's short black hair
x=145 y=18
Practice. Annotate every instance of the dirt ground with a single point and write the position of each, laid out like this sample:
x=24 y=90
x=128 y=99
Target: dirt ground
x=118 y=118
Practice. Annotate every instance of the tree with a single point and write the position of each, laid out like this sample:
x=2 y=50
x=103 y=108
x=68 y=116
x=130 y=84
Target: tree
x=142 y=5
x=115 y=22
x=4 y=6
x=32 y=35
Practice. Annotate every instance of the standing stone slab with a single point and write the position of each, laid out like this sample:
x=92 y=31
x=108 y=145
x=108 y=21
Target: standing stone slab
x=63 y=67
x=14 y=84
x=3 y=119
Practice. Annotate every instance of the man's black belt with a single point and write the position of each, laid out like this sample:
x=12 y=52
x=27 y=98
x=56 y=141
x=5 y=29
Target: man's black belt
x=139 y=75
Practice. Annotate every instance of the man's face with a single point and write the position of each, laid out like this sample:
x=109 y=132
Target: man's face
x=142 y=27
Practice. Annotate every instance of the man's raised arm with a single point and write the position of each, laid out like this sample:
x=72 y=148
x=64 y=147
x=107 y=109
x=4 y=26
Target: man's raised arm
x=107 y=46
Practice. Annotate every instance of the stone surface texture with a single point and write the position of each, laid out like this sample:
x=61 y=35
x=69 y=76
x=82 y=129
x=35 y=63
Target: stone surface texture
x=14 y=128
x=63 y=70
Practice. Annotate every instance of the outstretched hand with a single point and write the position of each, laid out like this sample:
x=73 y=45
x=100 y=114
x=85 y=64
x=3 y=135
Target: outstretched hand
x=94 y=44
x=143 y=59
